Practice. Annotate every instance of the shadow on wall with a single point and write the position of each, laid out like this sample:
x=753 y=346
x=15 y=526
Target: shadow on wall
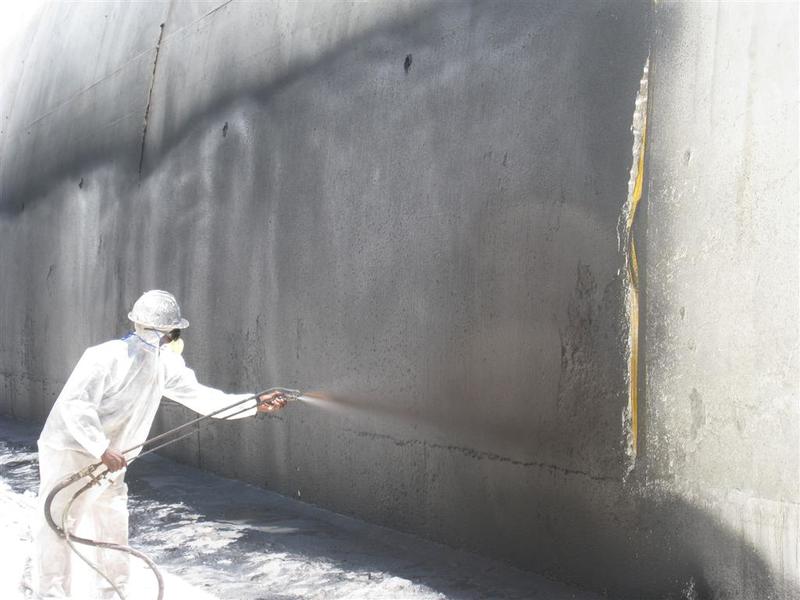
x=664 y=547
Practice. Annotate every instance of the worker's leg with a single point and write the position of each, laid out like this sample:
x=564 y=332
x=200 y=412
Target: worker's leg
x=52 y=573
x=110 y=515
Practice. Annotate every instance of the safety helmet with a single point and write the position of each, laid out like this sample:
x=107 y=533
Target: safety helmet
x=158 y=310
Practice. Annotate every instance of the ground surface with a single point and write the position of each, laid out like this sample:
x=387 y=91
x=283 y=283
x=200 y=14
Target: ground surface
x=218 y=538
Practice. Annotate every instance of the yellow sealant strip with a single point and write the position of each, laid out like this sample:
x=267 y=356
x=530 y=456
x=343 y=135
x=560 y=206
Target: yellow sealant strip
x=633 y=273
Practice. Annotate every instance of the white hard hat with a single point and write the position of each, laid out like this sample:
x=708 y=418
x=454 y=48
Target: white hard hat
x=159 y=310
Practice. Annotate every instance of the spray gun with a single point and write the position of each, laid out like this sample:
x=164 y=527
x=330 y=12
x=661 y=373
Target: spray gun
x=288 y=394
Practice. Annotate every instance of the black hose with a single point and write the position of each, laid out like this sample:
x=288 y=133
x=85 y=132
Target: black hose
x=63 y=532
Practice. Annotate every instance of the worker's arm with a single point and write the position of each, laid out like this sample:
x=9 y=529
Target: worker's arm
x=80 y=400
x=182 y=386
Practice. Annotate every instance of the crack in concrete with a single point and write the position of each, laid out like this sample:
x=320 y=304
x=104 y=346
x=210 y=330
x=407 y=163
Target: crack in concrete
x=118 y=70
x=150 y=96
x=482 y=455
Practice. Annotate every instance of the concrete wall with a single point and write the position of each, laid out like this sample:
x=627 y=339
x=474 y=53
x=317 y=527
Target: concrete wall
x=414 y=208
x=722 y=298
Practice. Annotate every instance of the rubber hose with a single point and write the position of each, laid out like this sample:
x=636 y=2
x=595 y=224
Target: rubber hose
x=61 y=532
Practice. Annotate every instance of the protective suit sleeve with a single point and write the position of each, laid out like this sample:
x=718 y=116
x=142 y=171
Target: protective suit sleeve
x=80 y=400
x=182 y=386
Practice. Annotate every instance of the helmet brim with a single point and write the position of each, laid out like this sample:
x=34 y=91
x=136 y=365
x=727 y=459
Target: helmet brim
x=182 y=324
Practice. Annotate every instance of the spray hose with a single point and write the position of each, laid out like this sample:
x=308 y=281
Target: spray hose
x=97 y=473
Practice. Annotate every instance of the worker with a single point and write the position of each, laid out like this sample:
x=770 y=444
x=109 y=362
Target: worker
x=107 y=406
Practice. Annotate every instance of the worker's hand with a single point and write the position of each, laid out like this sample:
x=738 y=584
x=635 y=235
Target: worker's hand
x=113 y=460
x=271 y=402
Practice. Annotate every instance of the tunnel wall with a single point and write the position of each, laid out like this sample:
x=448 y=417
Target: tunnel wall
x=416 y=210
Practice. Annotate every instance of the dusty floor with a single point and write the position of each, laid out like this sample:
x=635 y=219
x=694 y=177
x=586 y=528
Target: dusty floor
x=218 y=538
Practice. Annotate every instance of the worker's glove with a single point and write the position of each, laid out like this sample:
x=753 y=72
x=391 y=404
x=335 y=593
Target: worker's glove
x=272 y=401
x=113 y=460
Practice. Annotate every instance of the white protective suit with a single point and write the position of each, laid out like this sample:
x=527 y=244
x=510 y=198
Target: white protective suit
x=110 y=400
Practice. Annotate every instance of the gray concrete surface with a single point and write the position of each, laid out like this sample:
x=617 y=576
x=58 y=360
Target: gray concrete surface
x=720 y=247
x=413 y=208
